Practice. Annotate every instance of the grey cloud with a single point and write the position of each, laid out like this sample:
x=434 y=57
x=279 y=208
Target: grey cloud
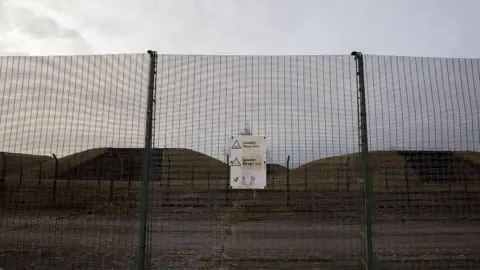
x=44 y=27
x=38 y=26
x=268 y=27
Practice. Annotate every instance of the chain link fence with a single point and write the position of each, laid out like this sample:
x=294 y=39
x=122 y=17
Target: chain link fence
x=74 y=134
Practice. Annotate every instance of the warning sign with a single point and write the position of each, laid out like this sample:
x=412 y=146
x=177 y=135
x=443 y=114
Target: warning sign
x=236 y=145
x=236 y=162
x=248 y=168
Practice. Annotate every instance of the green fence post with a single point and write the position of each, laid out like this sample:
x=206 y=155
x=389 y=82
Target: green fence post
x=368 y=260
x=227 y=183
x=2 y=175
x=146 y=170
x=168 y=178
x=288 y=180
x=55 y=176
x=20 y=176
x=40 y=168
x=347 y=173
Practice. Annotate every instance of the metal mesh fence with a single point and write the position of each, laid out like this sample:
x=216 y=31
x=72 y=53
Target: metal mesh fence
x=309 y=213
x=423 y=116
x=71 y=135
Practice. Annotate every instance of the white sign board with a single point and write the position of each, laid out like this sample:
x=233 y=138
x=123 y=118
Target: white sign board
x=248 y=162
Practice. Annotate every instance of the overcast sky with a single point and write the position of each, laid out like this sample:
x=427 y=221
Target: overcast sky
x=306 y=106
x=445 y=28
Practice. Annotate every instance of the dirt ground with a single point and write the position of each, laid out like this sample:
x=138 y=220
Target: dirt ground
x=61 y=240
x=221 y=238
x=301 y=241
x=195 y=231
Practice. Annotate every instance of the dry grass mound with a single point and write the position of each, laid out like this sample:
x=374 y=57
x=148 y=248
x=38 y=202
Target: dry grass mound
x=276 y=169
x=274 y=173
x=389 y=172
x=471 y=156
x=14 y=162
x=188 y=169
x=178 y=167
x=46 y=170
x=342 y=173
x=444 y=170
x=84 y=179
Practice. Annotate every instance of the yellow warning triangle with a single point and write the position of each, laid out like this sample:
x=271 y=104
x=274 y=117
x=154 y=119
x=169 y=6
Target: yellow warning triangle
x=236 y=162
x=236 y=145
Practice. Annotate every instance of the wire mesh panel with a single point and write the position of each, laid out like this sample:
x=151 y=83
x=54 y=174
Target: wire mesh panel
x=71 y=135
x=423 y=116
x=308 y=215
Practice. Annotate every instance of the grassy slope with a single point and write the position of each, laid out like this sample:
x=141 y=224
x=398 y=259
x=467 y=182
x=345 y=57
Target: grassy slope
x=188 y=169
x=14 y=161
x=191 y=171
x=388 y=173
x=276 y=169
x=333 y=174
x=48 y=168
